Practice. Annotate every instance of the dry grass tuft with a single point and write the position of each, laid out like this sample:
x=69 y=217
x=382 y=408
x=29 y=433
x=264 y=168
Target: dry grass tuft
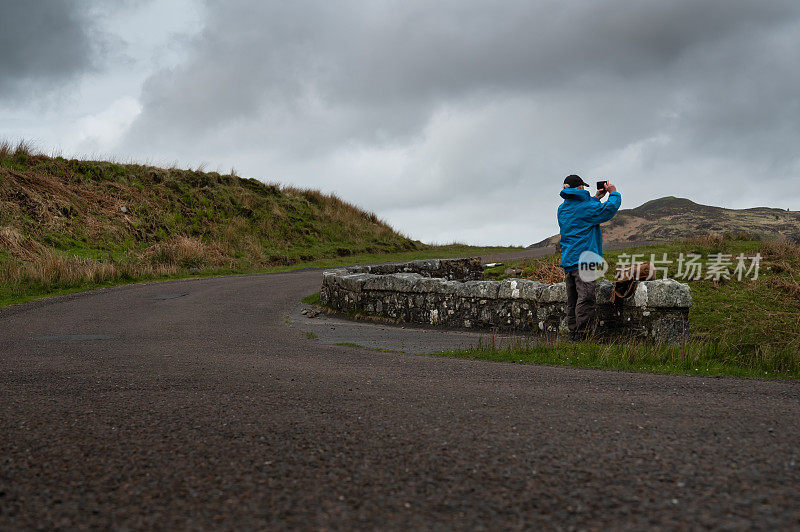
x=709 y=240
x=780 y=250
x=784 y=259
x=18 y=245
x=718 y=240
x=52 y=269
x=183 y=252
x=790 y=287
x=545 y=271
x=23 y=147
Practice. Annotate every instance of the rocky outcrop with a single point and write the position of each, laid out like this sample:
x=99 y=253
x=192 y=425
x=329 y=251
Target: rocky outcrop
x=415 y=292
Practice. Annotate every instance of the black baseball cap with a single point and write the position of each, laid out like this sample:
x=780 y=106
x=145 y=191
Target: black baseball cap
x=574 y=181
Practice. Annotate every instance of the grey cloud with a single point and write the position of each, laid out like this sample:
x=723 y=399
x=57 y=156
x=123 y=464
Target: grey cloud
x=384 y=66
x=43 y=44
x=465 y=98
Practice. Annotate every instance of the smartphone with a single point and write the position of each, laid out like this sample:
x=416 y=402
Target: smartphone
x=601 y=185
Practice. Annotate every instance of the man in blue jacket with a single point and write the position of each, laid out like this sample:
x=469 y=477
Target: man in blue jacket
x=579 y=218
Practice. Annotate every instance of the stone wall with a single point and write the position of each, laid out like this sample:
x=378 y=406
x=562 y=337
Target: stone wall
x=413 y=292
x=451 y=269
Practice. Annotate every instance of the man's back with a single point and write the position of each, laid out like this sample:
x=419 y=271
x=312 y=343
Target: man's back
x=579 y=219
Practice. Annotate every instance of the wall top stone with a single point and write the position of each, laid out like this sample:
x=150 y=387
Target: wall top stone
x=393 y=282
x=661 y=293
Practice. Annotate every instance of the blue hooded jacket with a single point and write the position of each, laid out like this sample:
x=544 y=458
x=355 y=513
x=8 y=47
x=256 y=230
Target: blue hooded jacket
x=579 y=218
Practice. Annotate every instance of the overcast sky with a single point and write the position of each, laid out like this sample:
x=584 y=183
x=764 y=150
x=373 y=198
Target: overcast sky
x=453 y=120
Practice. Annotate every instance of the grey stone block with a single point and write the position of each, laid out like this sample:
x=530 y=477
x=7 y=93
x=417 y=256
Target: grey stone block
x=554 y=293
x=383 y=269
x=329 y=276
x=433 y=285
x=520 y=289
x=379 y=282
x=426 y=265
x=478 y=289
x=393 y=282
x=444 y=287
x=509 y=289
x=354 y=282
x=603 y=291
x=532 y=290
x=663 y=293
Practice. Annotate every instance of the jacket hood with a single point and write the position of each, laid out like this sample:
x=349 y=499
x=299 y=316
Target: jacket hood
x=574 y=194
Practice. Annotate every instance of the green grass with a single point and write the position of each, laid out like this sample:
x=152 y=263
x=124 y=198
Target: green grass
x=351 y=344
x=311 y=336
x=704 y=359
x=313 y=299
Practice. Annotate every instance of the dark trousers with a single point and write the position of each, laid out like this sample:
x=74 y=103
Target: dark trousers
x=580 y=303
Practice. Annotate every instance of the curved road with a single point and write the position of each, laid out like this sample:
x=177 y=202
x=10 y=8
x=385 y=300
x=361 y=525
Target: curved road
x=194 y=404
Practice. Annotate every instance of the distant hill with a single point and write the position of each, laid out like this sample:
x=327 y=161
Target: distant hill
x=673 y=218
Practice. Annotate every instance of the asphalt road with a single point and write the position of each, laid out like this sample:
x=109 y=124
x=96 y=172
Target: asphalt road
x=201 y=404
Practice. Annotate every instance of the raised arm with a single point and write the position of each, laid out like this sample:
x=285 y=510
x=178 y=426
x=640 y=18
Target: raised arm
x=603 y=212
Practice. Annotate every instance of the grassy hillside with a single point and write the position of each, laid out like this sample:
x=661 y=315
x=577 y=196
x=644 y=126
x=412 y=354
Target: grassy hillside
x=73 y=224
x=673 y=218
